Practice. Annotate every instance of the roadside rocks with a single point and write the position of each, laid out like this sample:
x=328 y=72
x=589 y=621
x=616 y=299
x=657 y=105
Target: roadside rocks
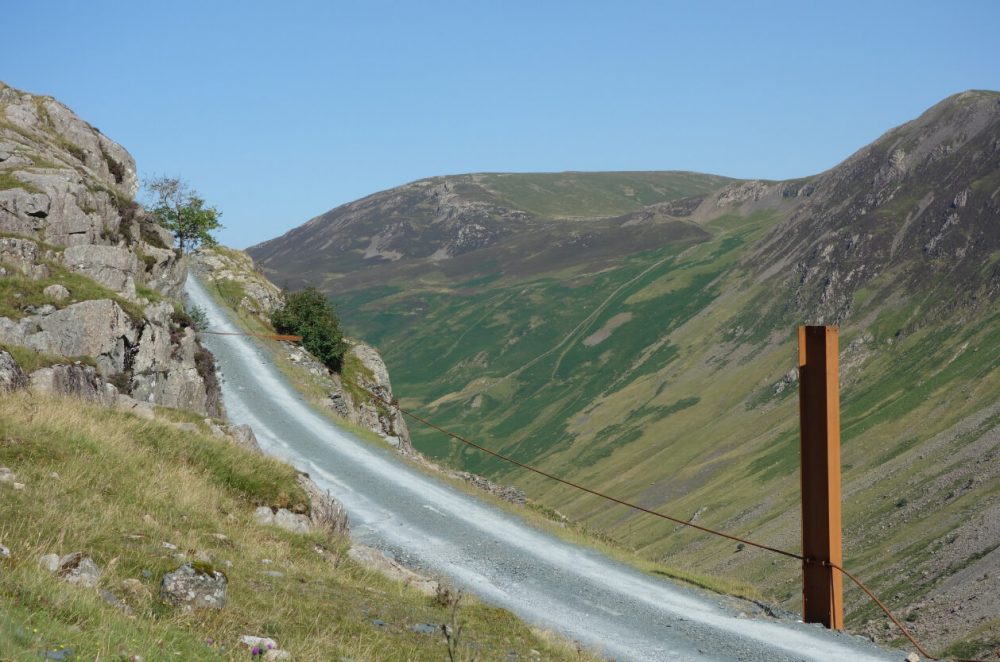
x=375 y=560
x=192 y=588
x=325 y=513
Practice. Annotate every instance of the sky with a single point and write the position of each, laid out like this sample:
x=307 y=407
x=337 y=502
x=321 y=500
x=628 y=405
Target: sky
x=276 y=112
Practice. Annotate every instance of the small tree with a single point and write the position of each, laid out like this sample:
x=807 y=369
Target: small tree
x=179 y=208
x=308 y=314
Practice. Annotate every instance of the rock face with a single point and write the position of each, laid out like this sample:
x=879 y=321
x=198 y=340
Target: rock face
x=11 y=376
x=373 y=413
x=66 y=206
x=234 y=271
x=191 y=588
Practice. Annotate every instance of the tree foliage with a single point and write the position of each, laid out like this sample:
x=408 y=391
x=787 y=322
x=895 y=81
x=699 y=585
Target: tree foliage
x=309 y=314
x=179 y=208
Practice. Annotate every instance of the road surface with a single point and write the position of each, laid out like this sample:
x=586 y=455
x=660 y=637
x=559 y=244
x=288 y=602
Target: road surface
x=611 y=608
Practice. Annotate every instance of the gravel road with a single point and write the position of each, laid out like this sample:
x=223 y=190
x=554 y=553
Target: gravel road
x=428 y=525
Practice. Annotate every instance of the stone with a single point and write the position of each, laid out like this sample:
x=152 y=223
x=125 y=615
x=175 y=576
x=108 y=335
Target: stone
x=56 y=292
x=78 y=569
x=4 y=552
x=264 y=643
x=264 y=516
x=289 y=521
x=80 y=381
x=12 y=378
x=912 y=657
x=243 y=436
x=49 y=562
x=19 y=487
x=325 y=513
x=190 y=589
x=7 y=476
x=425 y=628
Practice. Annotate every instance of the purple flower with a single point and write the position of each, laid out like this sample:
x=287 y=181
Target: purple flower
x=255 y=651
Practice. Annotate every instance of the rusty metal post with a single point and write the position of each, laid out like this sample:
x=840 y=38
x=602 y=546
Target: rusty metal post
x=819 y=414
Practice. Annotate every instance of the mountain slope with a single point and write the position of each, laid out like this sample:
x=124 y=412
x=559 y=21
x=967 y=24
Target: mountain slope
x=650 y=353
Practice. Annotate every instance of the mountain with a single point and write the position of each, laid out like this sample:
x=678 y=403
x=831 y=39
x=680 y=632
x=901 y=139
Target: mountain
x=635 y=332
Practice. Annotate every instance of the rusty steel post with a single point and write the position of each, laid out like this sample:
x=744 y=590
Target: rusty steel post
x=819 y=415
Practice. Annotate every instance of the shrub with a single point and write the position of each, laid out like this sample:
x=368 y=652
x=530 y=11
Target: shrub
x=310 y=315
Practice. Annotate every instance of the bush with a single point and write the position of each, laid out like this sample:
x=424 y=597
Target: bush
x=310 y=315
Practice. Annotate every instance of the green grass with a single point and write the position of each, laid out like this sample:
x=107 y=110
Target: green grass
x=184 y=488
x=18 y=292
x=31 y=360
x=9 y=181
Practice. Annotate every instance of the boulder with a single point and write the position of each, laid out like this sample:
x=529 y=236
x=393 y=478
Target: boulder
x=114 y=267
x=56 y=292
x=191 y=588
x=11 y=376
x=49 y=562
x=80 y=381
x=75 y=568
x=325 y=513
x=283 y=519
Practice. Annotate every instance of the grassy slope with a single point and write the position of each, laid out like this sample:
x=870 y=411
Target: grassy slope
x=126 y=485
x=502 y=360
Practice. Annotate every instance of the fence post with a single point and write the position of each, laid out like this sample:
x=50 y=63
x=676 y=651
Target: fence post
x=819 y=415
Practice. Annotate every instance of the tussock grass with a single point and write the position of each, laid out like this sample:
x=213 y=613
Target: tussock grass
x=117 y=487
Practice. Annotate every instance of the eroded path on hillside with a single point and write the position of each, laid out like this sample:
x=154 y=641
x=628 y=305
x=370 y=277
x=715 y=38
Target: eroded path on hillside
x=609 y=607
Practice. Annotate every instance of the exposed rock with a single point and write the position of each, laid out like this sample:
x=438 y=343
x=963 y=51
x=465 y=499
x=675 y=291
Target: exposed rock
x=508 y=493
x=23 y=254
x=75 y=568
x=241 y=435
x=7 y=476
x=373 y=559
x=76 y=189
x=190 y=589
x=56 y=292
x=277 y=654
x=115 y=267
x=263 y=643
x=49 y=562
x=325 y=513
x=4 y=552
x=374 y=413
x=283 y=519
x=11 y=376
x=98 y=328
x=81 y=381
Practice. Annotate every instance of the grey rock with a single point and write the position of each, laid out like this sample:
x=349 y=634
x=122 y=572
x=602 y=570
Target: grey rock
x=49 y=562
x=20 y=253
x=189 y=589
x=264 y=643
x=76 y=568
x=7 y=476
x=325 y=513
x=264 y=516
x=57 y=292
x=425 y=628
x=115 y=267
x=289 y=521
x=4 y=552
x=277 y=654
x=81 y=381
x=11 y=376
x=60 y=654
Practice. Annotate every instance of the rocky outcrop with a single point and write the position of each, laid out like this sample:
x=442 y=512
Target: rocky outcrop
x=80 y=381
x=234 y=271
x=191 y=588
x=66 y=205
x=375 y=413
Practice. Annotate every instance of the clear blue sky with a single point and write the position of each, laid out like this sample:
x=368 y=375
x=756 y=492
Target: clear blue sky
x=277 y=112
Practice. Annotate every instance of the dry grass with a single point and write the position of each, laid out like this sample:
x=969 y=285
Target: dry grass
x=116 y=488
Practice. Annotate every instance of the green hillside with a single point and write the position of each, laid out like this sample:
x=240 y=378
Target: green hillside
x=650 y=354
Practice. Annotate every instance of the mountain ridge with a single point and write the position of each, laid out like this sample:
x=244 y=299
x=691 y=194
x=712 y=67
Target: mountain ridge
x=659 y=365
